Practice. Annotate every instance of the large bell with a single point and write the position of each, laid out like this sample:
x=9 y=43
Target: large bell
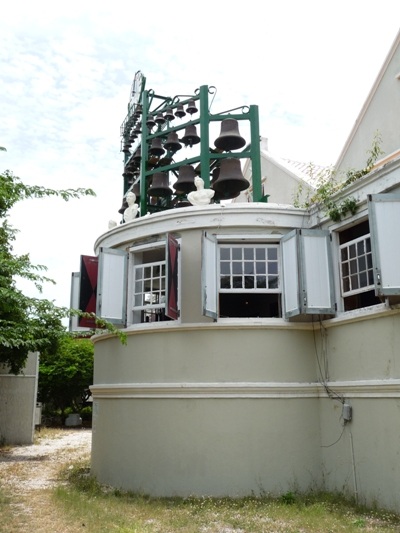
x=136 y=190
x=185 y=181
x=160 y=185
x=172 y=143
x=150 y=122
x=156 y=147
x=229 y=137
x=230 y=180
x=190 y=138
x=180 y=112
x=191 y=107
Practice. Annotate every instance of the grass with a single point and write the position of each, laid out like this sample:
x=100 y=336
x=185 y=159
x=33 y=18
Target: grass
x=100 y=509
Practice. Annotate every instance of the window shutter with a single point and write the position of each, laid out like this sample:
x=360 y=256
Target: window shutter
x=112 y=283
x=307 y=273
x=209 y=275
x=290 y=277
x=172 y=263
x=384 y=217
x=88 y=288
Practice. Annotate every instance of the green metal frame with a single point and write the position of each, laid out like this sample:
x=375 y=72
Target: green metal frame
x=152 y=103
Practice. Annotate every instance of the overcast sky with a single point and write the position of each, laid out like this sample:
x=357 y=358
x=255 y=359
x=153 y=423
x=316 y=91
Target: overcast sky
x=66 y=70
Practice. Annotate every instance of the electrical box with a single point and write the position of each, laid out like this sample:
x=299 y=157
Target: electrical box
x=347 y=412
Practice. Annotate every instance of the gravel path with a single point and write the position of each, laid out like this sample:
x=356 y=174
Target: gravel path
x=26 y=468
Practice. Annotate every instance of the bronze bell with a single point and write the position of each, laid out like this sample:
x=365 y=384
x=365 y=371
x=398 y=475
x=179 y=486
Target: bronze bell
x=185 y=181
x=229 y=137
x=137 y=156
x=156 y=147
x=191 y=107
x=230 y=180
x=190 y=138
x=150 y=122
x=159 y=119
x=126 y=147
x=168 y=115
x=180 y=112
x=160 y=185
x=172 y=143
x=136 y=190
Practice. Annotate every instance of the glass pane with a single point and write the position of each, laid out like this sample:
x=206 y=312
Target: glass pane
x=138 y=286
x=273 y=268
x=237 y=282
x=353 y=266
x=249 y=282
x=225 y=282
x=236 y=267
x=344 y=254
x=354 y=283
x=225 y=254
x=139 y=273
x=361 y=263
x=273 y=282
x=147 y=272
x=352 y=250
x=138 y=299
x=249 y=267
x=261 y=282
x=360 y=248
x=260 y=253
x=345 y=269
x=363 y=279
x=225 y=267
x=368 y=244
x=248 y=253
x=272 y=254
x=236 y=253
x=370 y=277
x=369 y=261
x=261 y=268
x=346 y=284
x=156 y=270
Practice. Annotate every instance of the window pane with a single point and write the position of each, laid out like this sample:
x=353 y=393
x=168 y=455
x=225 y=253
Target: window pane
x=147 y=272
x=354 y=282
x=363 y=279
x=261 y=282
x=249 y=267
x=236 y=267
x=273 y=268
x=361 y=263
x=260 y=253
x=353 y=266
x=345 y=269
x=236 y=253
x=360 y=248
x=249 y=253
x=261 y=268
x=139 y=273
x=272 y=254
x=249 y=282
x=138 y=286
x=346 y=284
x=344 y=254
x=225 y=267
x=369 y=261
x=156 y=270
x=273 y=282
x=225 y=254
x=225 y=282
x=237 y=282
x=352 y=251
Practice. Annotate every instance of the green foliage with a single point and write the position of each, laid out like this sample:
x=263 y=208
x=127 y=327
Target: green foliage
x=27 y=324
x=329 y=187
x=65 y=372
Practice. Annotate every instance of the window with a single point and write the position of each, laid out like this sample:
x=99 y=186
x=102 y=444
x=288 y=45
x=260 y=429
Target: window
x=155 y=282
x=241 y=280
x=356 y=267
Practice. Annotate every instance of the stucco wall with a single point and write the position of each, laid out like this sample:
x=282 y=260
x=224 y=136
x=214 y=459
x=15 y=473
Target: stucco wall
x=17 y=402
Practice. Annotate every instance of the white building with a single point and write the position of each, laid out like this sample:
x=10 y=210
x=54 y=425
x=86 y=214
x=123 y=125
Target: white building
x=280 y=369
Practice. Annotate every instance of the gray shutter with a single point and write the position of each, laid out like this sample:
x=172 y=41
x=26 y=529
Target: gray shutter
x=111 y=286
x=307 y=273
x=384 y=217
x=209 y=287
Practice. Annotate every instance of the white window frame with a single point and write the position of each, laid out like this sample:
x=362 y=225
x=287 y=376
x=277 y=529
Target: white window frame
x=357 y=272
x=211 y=267
x=112 y=285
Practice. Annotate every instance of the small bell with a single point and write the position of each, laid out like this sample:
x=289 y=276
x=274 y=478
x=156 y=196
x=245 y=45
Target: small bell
x=191 y=107
x=150 y=122
x=168 y=115
x=160 y=119
x=180 y=112
x=190 y=138
x=172 y=143
x=156 y=147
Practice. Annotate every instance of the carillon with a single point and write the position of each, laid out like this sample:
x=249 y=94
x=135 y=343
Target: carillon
x=229 y=138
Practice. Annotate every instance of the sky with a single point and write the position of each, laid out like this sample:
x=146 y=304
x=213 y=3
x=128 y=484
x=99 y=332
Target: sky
x=66 y=71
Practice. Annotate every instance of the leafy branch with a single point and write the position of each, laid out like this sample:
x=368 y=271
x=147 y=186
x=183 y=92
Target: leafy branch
x=328 y=186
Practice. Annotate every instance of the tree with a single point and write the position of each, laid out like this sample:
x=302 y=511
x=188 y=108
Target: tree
x=27 y=324
x=65 y=373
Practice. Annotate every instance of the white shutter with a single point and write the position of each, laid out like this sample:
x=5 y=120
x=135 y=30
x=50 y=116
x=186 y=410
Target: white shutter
x=307 y=273
x=384 y=213
x=290 y=270
x=111 y=285
x=209 y=289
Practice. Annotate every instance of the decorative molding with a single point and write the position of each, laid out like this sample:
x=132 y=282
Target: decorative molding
x=352 y=389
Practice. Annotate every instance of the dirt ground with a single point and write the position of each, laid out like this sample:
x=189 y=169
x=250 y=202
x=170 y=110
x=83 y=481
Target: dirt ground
x=27 y=472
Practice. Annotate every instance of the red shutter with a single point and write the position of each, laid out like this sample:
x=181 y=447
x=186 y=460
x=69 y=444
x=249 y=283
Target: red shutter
x=171 y=309
x=88 y=289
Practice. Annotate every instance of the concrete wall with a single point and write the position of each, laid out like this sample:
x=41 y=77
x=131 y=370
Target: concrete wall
x=18 y=402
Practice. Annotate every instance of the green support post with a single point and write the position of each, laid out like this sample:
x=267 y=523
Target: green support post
x=255 y=154
x=204 y=137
